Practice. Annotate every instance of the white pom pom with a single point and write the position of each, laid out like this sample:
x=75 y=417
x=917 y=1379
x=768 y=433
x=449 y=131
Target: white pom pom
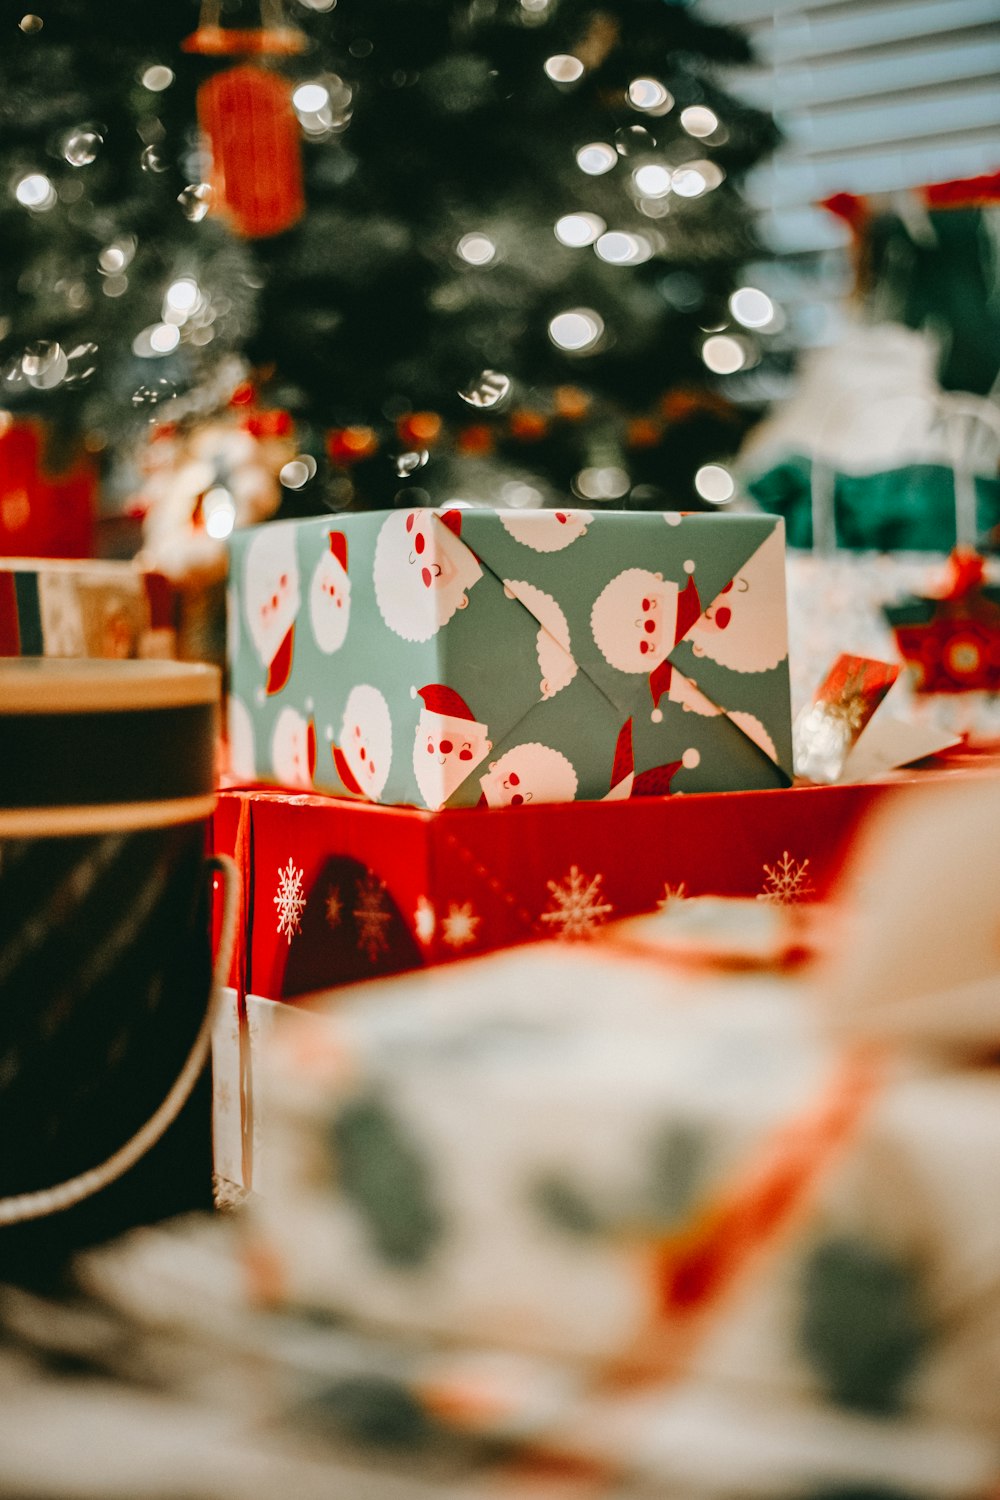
x=657 y=716
x=413 y=692
x=689 y=566
x=328 y=733
x=309 y=705
x=691 y=758
x=672 y=517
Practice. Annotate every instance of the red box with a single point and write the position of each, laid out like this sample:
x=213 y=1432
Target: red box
x=336 y=891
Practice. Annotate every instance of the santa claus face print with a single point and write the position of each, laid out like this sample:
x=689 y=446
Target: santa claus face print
x=271 y=589
x=546 y=530
x=366 y=739
x=329 y=602
x=293 y=749
x=552 y=645
x=445 y=750
x=241 y=739
x=529 y=773
x=423 y=572
x=744 y=626
x=634 y=620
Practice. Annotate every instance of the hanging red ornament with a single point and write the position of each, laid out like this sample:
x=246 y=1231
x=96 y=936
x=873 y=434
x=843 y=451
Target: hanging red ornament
x=348 y=445
x=951 y=641
x=249 y=125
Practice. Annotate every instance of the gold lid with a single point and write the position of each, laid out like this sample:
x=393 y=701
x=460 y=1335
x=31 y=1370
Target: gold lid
x=42 y=685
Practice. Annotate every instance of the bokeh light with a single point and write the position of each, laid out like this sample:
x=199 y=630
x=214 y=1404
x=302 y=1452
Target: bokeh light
x=715 y=484
x=80 y=147
x=578 y=330
x=195 y=201
x=157 y=78
x=476 y=249
x=576 y=230
x=652 y=180
x=309 y=98
x=563 y=68
x=488 y=389
x=751 y=307
x=596 y=158
x=607 y=483
x=36 y=192
x=219 y=511
x=649 y=94
x=698 y=120
x=619 y=249
x=722 y=354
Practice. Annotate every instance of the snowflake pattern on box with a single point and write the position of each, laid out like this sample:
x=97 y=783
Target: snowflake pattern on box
x=672 y=893
x=576 y=908
x=787 y=881
x=424 y=921
x=290 y=901
x=372 y=917
x=334 y=907
x=459 y=926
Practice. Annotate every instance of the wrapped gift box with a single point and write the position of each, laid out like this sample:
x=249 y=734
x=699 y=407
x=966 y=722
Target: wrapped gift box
x=336 y=891
x=471 y=656
x=653 y=1175
x=55 y=607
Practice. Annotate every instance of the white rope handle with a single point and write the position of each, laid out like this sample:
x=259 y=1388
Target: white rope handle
x=38 y=1205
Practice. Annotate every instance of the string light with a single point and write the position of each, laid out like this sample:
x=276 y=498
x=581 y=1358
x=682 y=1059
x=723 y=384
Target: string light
x=521 y=496
x=649 y=95
x=596 y=158
x=476 y=249
x=563 y=68
x=297 y=472
x=618 y=249
x=157 y=78
x=652 y=180
x=579 y=229
x=577 y=331
x=219 y=511
x=601 y=484
x=310 y=98
x=36 y=192
x=698 y=120
x=715 y=484
x=182 y=297
x=751 y=307
x=723 y=355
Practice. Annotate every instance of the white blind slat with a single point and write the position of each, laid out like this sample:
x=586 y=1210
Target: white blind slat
x=914 y=65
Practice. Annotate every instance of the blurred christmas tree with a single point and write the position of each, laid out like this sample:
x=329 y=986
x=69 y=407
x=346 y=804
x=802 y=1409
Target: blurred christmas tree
x=521 y=232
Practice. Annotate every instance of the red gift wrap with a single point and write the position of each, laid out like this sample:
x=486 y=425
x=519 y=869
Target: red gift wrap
x=336 y=891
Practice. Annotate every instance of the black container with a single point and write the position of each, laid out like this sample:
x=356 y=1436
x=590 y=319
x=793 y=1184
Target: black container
x=106 y=785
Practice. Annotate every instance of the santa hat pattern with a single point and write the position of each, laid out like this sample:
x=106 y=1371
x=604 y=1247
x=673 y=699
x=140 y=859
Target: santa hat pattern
x=656 y=782
x=688 y=610
x=624 y=762
x=344 y=771
x=280 y=667
x=338 y=546
x=440 y=699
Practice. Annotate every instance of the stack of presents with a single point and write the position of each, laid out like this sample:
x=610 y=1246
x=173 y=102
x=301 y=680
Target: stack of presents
x=684 y=1194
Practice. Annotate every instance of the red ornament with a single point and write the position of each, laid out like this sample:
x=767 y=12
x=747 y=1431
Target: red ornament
x=528 y=426
x=421 y=429
x=348 y=445
x=951 y=643
x=476 y=440
x=43 y=514
x=249 y=125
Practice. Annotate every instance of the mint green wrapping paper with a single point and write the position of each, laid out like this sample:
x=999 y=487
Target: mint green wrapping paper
x=469 y=656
